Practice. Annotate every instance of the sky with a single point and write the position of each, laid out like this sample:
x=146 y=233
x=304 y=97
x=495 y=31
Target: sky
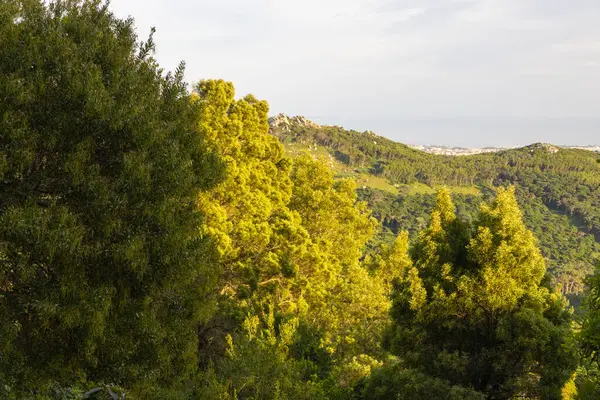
x=450 y=72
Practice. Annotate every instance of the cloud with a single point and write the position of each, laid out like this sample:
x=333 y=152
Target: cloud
x=388 y=58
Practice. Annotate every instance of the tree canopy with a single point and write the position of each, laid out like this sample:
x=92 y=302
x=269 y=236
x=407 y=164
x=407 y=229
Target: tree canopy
x=103 y=273
x=475 y=310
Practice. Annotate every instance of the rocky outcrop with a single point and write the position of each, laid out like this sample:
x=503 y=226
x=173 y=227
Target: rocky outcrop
x=284 y=123
x=543 y=147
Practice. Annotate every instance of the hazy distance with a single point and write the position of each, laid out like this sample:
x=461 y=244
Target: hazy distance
x=480 y=131
x=452 y=72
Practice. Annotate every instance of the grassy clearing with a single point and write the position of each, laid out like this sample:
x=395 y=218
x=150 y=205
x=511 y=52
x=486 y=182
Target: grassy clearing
x=421 y=188
x=375 y=182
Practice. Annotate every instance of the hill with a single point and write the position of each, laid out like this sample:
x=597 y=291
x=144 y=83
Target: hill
x=557 y=188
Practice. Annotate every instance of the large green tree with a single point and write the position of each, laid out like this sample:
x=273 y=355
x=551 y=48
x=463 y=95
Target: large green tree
x=334 y=291
x=476 y=309
x=290 y=236
x=103 y=275
x=247 y=212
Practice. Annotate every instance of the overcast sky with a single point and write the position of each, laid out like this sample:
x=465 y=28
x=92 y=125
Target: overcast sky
x=457 y=72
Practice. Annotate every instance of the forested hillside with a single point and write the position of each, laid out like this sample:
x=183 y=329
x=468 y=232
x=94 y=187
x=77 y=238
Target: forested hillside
x=558 y=189
x=158 y=242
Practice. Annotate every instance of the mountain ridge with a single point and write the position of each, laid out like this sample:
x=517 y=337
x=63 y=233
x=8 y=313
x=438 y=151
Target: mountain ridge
x=284 y=122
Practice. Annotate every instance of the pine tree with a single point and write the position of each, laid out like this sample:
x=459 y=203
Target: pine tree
x=334 y=291
x=290 y=237
x=247 y=213
x=479 y=313
x=103 y=275
x=244 y=211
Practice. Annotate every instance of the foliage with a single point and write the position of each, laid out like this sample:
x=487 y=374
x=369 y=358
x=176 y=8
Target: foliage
x=160 y=244
x=396 y=382
x=474 y=309
x=282 y=232
x=258 y=366
x=102 y=273
x=338 y=294
x=246 y=213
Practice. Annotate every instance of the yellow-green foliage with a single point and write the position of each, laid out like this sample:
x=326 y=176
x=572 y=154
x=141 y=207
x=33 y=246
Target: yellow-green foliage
x=340 y=296
x=246 y=214
x=256 y=365
x=356 y=368
x=569 y=391
x=288 y=236
x=507 y=253
x=392 y=262
x=475 y=309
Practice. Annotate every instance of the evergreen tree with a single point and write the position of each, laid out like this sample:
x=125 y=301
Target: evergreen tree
x=333 y=289
x=247 y=213
x=589 y=381
x=290 y=239
x=481 y=314
x=103 y=275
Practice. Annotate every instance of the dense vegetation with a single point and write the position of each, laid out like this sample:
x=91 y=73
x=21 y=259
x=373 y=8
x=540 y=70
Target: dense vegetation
x=566 y=180
x=571 y=253
x=158 y=242
x=558 y=190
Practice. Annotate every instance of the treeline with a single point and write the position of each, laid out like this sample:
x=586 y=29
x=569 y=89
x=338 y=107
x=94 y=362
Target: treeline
x=402 y=164
x=155 y=242
x=565 y=179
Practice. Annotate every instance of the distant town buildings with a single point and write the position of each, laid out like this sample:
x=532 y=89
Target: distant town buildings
x=464 y=151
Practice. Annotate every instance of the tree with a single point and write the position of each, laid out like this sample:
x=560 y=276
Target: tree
x=479 y=313
x=290 y=238
x=590 y=339
x=396 y=382
x=103 y=275
x=247 y=212
x=257 y=365
x=333 y=290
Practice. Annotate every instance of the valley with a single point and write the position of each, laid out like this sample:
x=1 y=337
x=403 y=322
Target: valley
x=399 y=183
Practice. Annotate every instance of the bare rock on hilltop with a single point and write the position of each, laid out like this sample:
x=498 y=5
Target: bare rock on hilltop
x=284 y=123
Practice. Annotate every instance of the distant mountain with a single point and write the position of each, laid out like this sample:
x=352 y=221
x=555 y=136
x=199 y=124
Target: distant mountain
x=558 y=187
